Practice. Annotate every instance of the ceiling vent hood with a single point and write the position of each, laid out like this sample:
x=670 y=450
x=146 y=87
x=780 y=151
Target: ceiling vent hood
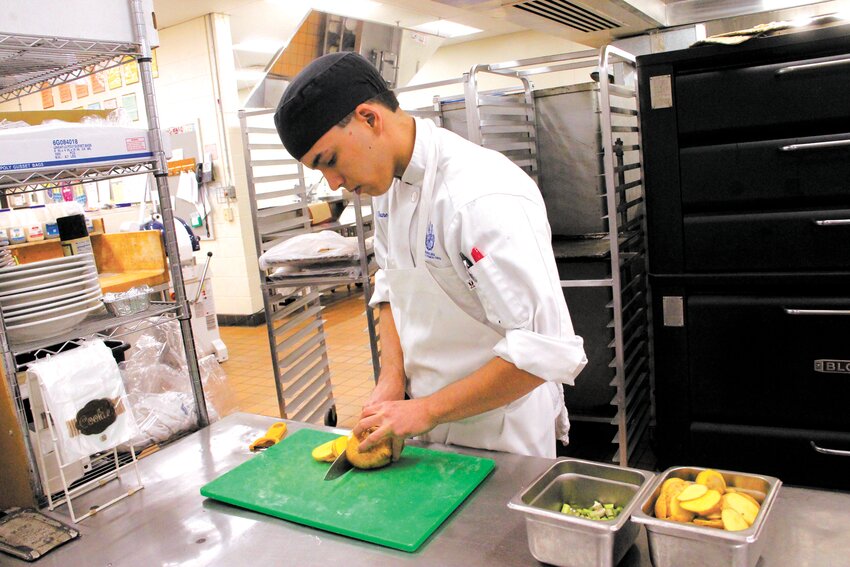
x=568 y=14
x=598 y=22
x=589 y=22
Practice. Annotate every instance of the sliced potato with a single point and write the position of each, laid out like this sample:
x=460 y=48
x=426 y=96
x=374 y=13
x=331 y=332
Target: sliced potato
x=692 y=492
x=706 y=504
x=340 y=443
x=750 y=498
x=742 y=505
x=733 y=521
x=324 y=452
x=676 y=512
x=709 y=523
x=661 y=506
x=712 y=479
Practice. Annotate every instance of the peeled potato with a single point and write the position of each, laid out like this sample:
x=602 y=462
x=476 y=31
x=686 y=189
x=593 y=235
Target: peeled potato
x=713 y=480
x=340 y=444
x=742 y=505
x=733 y=521
x=708 y=523
x=324 y=452
x=378 y=456
x=692 y=492
x=677 y=513
x=706 y=504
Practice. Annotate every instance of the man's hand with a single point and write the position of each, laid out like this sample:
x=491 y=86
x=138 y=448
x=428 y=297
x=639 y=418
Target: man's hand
x=397 y=420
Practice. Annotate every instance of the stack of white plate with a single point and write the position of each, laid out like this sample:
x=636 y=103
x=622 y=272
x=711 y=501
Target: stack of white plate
x=6 y=258
x=45 y=299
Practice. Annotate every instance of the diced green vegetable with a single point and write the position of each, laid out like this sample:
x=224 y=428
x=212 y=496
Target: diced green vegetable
x=598 y=511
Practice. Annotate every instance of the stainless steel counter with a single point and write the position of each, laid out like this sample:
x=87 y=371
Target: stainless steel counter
x=170 y=523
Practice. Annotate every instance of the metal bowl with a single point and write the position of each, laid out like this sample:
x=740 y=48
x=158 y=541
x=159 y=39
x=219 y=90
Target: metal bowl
x=571 y=541
x=674 y=544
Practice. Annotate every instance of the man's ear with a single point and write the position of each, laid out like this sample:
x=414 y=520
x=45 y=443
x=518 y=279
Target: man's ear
x=369 y=114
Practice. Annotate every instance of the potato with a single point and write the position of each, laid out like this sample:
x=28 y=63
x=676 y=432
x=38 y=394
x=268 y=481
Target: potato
x=324 y=452
x=378 y=456
x=709 y=523
x=741 y=505
x=713 y=480
x=733 y=521
x=708 y=503
x=677 y=513
x=692 y=492
x=662 y=503
x=340 y=444
x=750 y=498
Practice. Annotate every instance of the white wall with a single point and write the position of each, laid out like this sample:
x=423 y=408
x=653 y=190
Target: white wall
x=453 y=60
x=197 y=83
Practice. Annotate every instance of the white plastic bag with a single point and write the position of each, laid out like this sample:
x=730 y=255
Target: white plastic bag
x=159 y=388
x=86 y=398
x=324 y=246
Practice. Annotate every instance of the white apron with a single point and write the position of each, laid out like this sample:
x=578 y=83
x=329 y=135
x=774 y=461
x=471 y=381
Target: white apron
x=442 y=344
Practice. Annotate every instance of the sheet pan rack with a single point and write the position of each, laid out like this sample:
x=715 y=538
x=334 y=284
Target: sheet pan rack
x=278 y=194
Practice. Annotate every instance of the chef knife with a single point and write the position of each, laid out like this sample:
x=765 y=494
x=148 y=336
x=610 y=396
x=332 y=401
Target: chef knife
x=340 y=466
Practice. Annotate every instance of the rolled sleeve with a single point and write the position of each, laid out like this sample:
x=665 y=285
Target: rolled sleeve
x=380 y=292
x=555 y=359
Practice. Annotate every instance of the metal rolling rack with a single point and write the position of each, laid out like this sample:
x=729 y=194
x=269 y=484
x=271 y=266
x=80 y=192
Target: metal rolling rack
x=280 y=210
x=30 y=64
x=627 y=237
x=503 y=120
x=506 y=120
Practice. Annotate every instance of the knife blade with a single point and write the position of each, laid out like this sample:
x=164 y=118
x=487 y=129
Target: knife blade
x=340 y=466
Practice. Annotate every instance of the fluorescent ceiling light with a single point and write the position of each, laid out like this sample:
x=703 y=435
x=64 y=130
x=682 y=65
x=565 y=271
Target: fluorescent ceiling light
x=259 y=45
x=446 y=28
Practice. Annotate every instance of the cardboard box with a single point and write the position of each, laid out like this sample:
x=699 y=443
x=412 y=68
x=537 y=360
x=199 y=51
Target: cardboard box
x=70 y=146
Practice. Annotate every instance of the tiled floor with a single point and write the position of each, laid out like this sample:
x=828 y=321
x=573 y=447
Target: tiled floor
x=249 y=367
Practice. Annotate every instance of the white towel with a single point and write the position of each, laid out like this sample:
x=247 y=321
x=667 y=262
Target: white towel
x=187 y=187
x=86 y=398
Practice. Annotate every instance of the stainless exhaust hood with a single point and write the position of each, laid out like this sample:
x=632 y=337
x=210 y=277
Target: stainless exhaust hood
x=597 y=22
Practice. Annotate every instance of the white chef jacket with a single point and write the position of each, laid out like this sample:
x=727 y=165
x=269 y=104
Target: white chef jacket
x=481 y=200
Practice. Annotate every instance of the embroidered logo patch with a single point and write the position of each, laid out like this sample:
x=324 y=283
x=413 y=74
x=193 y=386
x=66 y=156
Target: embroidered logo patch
x=383 y=214
x=430 y=241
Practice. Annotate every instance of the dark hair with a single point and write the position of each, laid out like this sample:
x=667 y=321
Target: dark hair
x=386 y=99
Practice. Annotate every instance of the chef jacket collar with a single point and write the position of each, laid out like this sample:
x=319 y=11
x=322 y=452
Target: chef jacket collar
x=415 y=172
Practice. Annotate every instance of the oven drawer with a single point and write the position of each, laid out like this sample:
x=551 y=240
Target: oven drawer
x=788 y=454
x=790 y=173
x=807 y=93
x=767 y=242
x=770 y=361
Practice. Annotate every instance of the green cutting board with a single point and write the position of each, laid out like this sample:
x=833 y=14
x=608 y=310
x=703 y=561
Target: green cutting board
x=398 y=506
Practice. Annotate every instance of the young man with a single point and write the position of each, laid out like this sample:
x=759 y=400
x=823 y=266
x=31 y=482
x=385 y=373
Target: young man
x=473 y=323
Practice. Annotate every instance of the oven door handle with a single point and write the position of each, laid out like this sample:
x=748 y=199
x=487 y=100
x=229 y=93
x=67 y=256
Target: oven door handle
x=791 y=311
x=824 y=451
x=825 y=145
x=831 y=222
x=812 y=66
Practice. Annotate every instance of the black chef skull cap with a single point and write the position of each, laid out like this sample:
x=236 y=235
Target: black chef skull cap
x=323 y=93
